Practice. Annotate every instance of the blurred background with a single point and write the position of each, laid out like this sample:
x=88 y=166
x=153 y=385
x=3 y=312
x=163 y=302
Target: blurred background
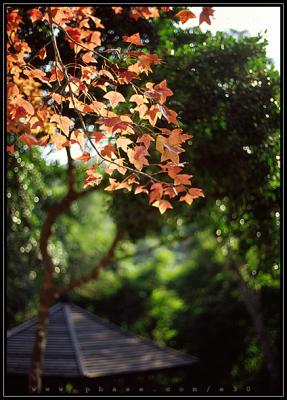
x=205 y=278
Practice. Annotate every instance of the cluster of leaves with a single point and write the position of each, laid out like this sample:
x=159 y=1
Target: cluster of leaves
x=98 y=101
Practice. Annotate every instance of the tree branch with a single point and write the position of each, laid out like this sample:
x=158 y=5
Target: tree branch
x=95 y=271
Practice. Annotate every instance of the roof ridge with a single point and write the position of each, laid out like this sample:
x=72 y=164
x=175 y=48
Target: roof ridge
x=75 y=343
x=31 y=322
x=187 y=357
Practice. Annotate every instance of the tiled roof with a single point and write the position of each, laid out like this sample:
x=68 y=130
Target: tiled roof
x=80 y=344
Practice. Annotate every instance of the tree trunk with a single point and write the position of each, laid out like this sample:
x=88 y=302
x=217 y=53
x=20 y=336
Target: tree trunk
x=49 y=292
x=251 y=299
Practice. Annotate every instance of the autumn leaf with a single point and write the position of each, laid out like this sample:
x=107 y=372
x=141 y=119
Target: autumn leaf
x=141 y=189
x=205 y=15
x=93 y=179
x=114 y=98
x=134 y=39
x=78 y=137
x=42 y=53
x=185 y=15
x=35 y=14
x=10 y=149
x=98 y=136
x=145 y=139
x=25 y=105
x=162 y=205
x=108 y=150
x=60 y=141
x=63 y=123
x=123 y=143
x=137 y=157
x=117 y=10
x=156 y=192
x=138 y=99
x=84 y=157
x=29 y=140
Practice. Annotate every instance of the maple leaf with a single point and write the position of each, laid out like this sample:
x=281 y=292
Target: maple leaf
x=152 y=114
x=185 y=15
x=145 y=139
x=162 y=205
x=118 y=165
x=123 y=143
x=29 y=140
x=134 y=39
x=25 y=105
x=137 y=157
x=117 y=10
x=114 y=98
x=35 y=14
x=42 y=53
x=78 y=137
x=92 y=180
x=59 y=75
x=138 y=99
x=115 y=185
x=156 y=192
x=60 y=141
x=84 y=157
x=108 y=150
x=98 y=136
x=89 y=57
x=162 y=91
x=141 y=189
x=183 y=179
x=10 y=149
x=205 y=15
x=125 y=76
x=63 y=123
x=95 y=40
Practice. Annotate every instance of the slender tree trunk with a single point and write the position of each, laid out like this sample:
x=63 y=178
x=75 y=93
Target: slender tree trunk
x=251 y=299
x=49 y=292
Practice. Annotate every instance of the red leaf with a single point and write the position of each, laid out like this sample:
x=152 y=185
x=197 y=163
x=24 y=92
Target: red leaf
x=11 y=149
x=205 y=14
x=42 y=53
x=29 y=140
x=98 y=136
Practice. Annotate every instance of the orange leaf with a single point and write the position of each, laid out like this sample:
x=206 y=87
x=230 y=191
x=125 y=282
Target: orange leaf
x=63 y=123
x=60 y=141
x=26 y=105
x=84 y=157
x=123 y=143
x=185 y=15
x=145 y=139
x=115 y=98
x=162 y=205
x=35 y=14
x=141 y=189
x=139 y=99
x=134 y=39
